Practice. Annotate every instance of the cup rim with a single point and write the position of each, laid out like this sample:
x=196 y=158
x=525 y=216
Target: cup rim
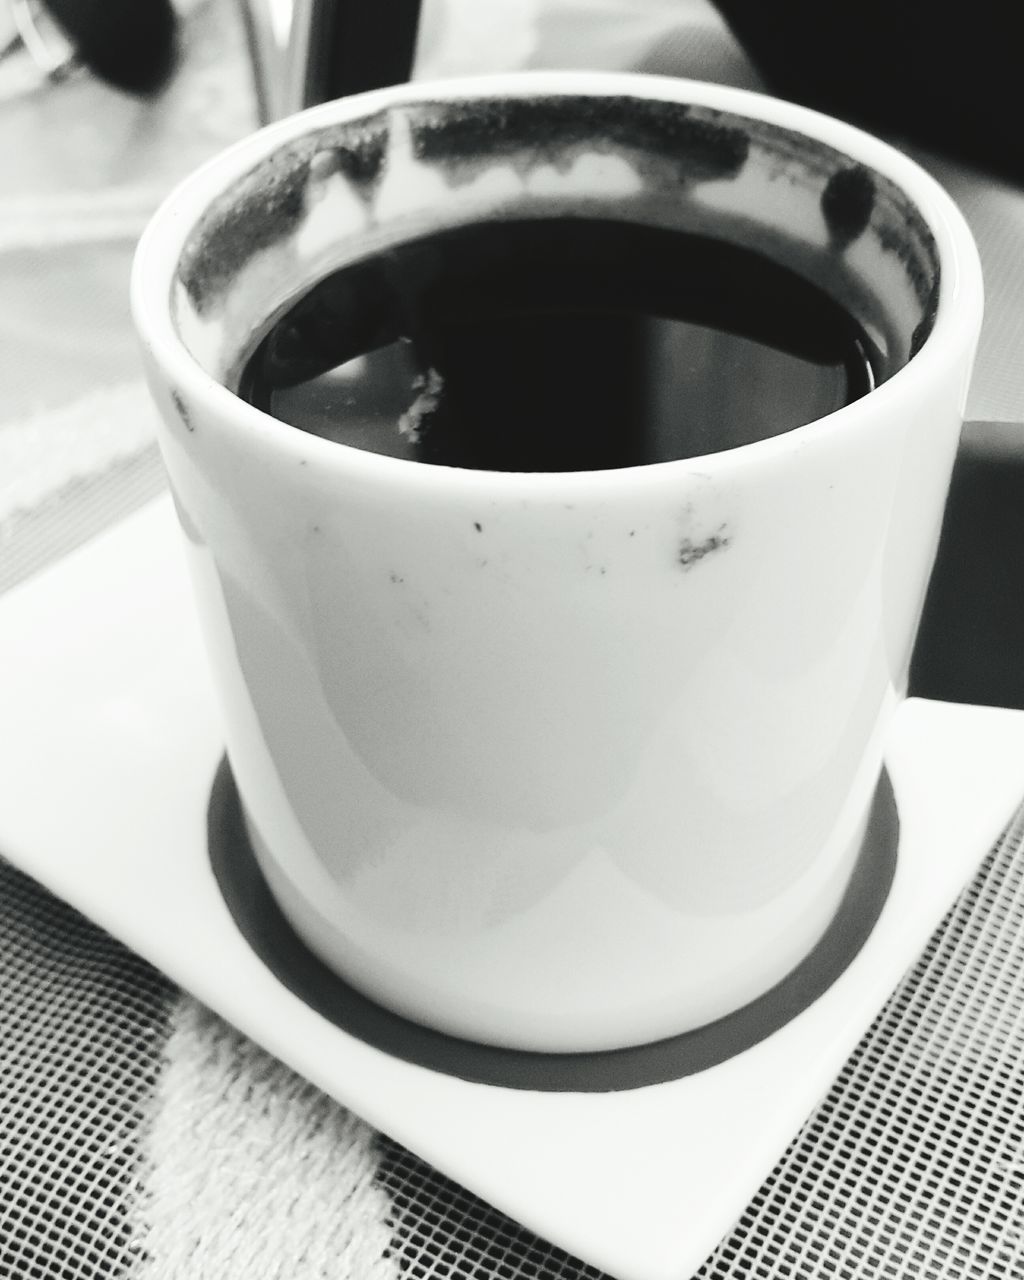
x=957 y=319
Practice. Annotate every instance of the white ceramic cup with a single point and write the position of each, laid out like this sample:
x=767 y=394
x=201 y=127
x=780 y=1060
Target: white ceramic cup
x=564 y=761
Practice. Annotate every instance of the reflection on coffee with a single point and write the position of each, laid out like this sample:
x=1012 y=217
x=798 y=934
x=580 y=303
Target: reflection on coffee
x=558 y=344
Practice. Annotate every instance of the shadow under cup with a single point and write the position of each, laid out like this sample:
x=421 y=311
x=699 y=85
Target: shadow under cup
x=559 y=762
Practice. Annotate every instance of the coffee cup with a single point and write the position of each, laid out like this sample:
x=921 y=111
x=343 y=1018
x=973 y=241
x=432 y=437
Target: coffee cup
x=558 y=756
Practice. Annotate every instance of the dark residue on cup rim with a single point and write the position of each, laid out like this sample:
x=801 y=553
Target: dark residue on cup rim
x=266 y=204
x=847 y=203
x=671 y=142
x=697 y=139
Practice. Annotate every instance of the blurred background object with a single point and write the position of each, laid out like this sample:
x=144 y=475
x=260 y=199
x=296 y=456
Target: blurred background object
x=84 y=163
x=938 y=73
x=131 y=44
x=308 y=51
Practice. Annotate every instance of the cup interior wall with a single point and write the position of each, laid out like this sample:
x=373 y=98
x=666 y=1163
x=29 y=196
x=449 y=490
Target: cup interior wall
x=343 y=191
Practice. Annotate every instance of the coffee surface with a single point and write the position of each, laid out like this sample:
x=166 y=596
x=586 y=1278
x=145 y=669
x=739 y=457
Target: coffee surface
x=559 y=344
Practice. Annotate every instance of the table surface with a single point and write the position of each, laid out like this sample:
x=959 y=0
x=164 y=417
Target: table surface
x=141 y=1135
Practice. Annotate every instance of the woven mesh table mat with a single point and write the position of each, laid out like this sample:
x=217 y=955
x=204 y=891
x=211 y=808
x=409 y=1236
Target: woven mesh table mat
x=912 y=1165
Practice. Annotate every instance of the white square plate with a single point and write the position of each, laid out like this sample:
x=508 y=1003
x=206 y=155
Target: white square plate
x=109 y=741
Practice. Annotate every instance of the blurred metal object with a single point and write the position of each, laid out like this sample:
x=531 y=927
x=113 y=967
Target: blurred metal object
x=44 y=41
x=309 y=51
x=130 y=44
x=268 y=27
x=40 y=38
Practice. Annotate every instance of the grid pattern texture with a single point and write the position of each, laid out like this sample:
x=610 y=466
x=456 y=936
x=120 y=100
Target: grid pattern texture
x=914 y=1163
x=81 y=1027
x=911 y=1166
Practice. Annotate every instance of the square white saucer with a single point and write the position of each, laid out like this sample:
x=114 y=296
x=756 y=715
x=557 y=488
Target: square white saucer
x=109 y=742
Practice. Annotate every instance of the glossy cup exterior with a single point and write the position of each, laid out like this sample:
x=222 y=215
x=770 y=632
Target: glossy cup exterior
x=569 y=761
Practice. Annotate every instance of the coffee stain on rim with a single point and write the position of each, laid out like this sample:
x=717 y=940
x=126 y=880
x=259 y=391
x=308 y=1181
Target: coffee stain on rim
x=705 y=144
x=847 y=203
x=267 y=203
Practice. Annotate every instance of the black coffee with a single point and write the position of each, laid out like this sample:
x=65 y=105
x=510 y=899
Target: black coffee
x=561 y=344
